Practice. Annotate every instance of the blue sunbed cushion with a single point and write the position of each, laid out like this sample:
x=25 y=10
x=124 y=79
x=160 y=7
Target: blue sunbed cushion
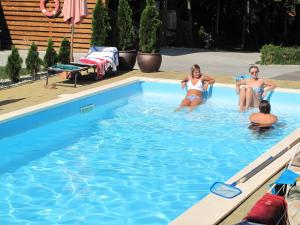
x=65 y=67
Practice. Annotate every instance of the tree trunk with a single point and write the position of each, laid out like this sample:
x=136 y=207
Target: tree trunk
x=164 y=18
x=190 y=21
x=217 y=22
x=245 y=23
x=285 y=29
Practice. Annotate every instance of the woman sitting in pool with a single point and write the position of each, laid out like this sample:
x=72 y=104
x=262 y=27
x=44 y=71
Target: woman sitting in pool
x=264 y=119
x=253 y=89
x=196 y=83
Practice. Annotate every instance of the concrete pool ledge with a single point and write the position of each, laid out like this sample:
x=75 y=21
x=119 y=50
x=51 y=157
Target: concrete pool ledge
x=63 y=98
x=213 y=209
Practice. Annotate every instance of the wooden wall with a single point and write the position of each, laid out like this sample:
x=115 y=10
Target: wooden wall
x=24 y=23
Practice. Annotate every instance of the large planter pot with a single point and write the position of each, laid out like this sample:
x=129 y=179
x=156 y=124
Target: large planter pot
x=149 y=62
x=127 y=59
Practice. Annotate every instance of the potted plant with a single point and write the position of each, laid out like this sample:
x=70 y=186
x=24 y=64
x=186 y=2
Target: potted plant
x=149 y=59
x=126 y=37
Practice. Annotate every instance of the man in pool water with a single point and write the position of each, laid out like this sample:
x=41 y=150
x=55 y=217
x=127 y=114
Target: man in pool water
x=253 y=89
x=196 y=83
x=264 y=119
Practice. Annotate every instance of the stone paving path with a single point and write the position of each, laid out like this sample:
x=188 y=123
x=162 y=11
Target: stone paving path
x=216 y=62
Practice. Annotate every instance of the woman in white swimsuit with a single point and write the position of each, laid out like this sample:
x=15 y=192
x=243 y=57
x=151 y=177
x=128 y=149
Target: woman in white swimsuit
x=196 y=83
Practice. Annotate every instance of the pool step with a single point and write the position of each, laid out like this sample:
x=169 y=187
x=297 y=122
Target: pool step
x=87 y=108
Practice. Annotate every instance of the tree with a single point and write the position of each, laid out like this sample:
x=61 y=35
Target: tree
x=100 y=25
x=149 y=32
x=64 y=51
x=51 y=55
x=125 y=32
x=33 y=61
x=14 y=65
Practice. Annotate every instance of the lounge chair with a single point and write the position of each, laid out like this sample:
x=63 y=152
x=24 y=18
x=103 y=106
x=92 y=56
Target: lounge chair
x=100 y=59
x=105 y=58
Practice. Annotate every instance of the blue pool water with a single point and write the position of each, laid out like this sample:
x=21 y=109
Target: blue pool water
x=131 y=160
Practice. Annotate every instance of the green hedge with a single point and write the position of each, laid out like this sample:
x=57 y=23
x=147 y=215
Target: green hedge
x=272 y=54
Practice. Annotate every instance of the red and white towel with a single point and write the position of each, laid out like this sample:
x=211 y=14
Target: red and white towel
x=99 y=62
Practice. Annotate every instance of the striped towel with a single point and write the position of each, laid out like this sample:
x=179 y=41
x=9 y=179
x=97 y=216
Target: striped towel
x=99 y=62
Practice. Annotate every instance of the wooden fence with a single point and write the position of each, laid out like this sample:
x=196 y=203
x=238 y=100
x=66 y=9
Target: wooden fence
x=24 y=23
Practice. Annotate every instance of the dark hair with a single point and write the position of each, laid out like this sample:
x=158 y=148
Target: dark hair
x=264 y=107
x=253 y=67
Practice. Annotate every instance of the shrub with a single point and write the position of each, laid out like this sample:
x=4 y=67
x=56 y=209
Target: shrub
x=125 y=32
x=51 y=55
x=100 y=25
x=14 y=65
x=33 y=61
x=150 y=25
x=272 y=54
x=206 y=40
x=64 y=51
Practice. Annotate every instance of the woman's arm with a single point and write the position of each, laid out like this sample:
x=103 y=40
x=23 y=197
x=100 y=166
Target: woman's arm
x=183 y=82
x=269 y=86
x=207 y=80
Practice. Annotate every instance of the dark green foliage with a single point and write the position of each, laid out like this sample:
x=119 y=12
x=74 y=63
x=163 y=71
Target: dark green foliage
x=149 y=32
x=272 y=54
x=126 y=35
x=112 y=34
x=205 y=38
x=33 y=61
x=100 y=25
x=14 y=65
x=64 y=51
x=3 y=74
x=51 y=55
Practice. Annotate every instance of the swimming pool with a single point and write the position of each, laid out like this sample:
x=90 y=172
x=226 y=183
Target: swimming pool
x=124 y=156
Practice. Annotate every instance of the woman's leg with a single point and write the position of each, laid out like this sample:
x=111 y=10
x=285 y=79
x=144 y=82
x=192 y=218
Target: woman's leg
x=249 y=98
x=185 y=102
x=195 y=103
x=256 y=100
x=242 y=99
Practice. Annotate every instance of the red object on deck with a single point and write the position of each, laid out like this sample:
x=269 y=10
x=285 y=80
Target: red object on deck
x=270 y=210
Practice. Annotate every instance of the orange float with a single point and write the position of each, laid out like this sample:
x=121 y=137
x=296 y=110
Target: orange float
x=47 y=13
